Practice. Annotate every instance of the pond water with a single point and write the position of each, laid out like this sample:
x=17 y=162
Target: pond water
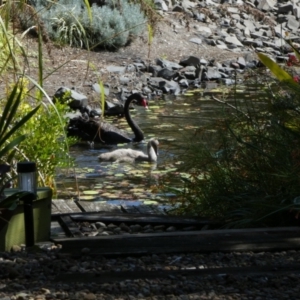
x=171 y=121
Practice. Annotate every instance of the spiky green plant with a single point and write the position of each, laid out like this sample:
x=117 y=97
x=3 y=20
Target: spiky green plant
x=41 y=138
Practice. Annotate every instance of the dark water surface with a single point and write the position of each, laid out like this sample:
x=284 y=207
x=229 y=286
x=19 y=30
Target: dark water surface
x=171 y=121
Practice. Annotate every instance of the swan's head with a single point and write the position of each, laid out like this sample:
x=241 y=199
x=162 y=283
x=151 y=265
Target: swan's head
x=138 y=99
x=153 y=149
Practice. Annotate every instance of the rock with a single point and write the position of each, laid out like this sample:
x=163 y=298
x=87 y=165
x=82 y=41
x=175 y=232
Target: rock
x=292 y=23
x=209 y=85
x=135 y=228
x=177 y=8
x=212 y=73
x=168 y=64
x=171 y=87
x=157 y=82
x=266 y=5
x=249 y=25
x=171 y=229
x=140 y=66
x=22 y=296
x=161 y=5
x=166 y=73
x=285 y=8
x=85 y=250
x=241 y=61
x=130 y=68
x=100 y=225
x=16 y=248
x=204 y=29
x=190 y=61
x=200 y=17
x=184 y=83
x=116 y=69
x=78 y=100
x=296 y=12
x=159 y=227
x=124 y=227
x=232 y=39
x=196 y=41
x=125 y=80
x=90 y=296
x=97 y=89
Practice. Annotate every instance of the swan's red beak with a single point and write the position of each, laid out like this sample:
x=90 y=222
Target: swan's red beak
x=145 y=103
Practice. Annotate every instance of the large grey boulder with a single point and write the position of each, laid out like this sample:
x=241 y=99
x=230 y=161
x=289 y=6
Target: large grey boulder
x=168 y=64
x=266 y=5
x=74 y=99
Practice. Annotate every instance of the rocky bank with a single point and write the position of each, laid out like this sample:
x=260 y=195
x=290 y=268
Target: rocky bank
x=196 y=43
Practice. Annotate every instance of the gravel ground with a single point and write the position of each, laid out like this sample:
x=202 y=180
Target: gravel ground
x=28 y=275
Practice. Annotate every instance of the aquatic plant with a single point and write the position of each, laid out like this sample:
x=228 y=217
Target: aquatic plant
x=250 y=175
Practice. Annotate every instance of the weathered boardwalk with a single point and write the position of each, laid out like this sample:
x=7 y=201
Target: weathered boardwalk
x=66 y=214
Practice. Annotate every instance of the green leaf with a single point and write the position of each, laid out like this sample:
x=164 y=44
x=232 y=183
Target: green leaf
x=280 y=74
x=102 y=91
x=12 y=144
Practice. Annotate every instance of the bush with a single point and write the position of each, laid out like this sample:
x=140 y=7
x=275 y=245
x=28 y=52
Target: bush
x=250 y=175
x=69 y=22
x=31 y=127
x=45 y=142
x=107 y=28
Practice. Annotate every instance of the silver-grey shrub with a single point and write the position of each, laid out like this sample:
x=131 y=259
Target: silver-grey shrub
x=68 y=22
x=106 y=29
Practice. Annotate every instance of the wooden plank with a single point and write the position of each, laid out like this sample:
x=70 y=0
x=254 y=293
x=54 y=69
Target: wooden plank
x=269 y=239
x=56 y=230
x=141 y=218
x=70 y=227
x=148 y=209
x=88 y=206
x=129 y=209
x=105 y=277
x=60 y=206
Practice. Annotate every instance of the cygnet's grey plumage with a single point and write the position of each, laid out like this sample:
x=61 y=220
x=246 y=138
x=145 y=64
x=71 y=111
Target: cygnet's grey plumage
x=130 y=155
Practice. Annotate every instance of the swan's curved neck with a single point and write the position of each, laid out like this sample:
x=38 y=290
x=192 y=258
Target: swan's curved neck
x=152 y=152
x=138 y=133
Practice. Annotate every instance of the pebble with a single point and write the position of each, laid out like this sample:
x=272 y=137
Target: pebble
x=36 y=273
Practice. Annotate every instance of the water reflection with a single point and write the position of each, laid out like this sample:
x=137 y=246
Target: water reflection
x=172 y=122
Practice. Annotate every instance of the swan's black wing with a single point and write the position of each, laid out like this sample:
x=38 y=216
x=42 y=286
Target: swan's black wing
x=99 y=132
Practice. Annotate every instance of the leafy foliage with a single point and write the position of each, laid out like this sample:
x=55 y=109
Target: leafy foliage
x=250 y=174
x=8 y=58
x=31 y=126
x=70 y=22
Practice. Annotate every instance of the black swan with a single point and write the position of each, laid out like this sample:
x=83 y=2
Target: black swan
x=93 y=130
x=129 y=155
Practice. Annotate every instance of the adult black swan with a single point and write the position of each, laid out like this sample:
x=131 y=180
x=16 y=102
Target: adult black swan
x=93 y=130
x=130 y=155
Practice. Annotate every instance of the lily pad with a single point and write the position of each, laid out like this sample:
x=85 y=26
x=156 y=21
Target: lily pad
x=87 y=198
x=137 y=190
x=150 y=202
x=90 y=192
x=119 y=175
